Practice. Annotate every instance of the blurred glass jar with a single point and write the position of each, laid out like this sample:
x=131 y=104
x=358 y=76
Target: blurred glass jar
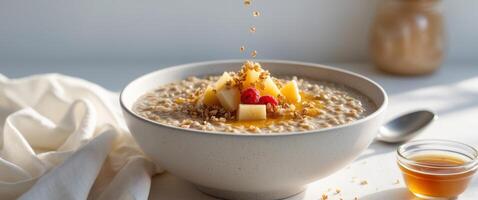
x=407 y=37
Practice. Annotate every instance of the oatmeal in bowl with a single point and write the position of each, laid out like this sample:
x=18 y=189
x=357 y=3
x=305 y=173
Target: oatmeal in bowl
x=252 y=100
x=253 y=131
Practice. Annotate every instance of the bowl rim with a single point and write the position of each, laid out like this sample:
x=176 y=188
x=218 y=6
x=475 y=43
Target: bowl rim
x=374 y=114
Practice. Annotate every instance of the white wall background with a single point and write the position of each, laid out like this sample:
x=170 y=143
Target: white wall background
x=178 y=31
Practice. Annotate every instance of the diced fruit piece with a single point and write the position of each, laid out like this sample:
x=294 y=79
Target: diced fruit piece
x=270 y=88
x=268 y=100
x=250 y=96
x=209 y=97
x=291 y=92
x=248 y=112
x=229 y=98
x=221 y=83
x=251 y=77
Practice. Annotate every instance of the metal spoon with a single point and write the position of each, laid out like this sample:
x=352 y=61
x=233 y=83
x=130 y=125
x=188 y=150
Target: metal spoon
x=406 y=126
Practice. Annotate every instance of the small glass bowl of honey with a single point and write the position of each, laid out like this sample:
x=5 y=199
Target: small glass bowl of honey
x=437 y=169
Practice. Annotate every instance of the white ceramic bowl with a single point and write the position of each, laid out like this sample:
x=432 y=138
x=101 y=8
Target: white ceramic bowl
x=251 y=166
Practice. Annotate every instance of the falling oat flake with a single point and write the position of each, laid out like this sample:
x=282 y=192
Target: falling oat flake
x=243 y=48
x=256 y=14
x=247 y=2
x=252 y=29
x=254 y=53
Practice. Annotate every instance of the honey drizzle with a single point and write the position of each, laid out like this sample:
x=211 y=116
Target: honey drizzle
x=306 y=98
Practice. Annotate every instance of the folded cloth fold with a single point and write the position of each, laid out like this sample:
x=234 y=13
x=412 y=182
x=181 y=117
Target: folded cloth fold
x=64 y=138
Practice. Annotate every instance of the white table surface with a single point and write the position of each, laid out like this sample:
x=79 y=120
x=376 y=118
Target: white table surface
x=452 y=92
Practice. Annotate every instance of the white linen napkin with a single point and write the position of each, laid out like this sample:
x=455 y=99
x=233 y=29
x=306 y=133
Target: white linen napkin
x=63 y=138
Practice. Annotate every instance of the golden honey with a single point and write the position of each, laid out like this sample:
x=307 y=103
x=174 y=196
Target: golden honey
x=437 y=173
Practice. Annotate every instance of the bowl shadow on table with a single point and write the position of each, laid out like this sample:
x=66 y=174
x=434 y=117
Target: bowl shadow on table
x=169 y=187
x=391 y=194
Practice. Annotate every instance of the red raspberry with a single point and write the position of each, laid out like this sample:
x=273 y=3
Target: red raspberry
x=250 y=96
x=268 y=100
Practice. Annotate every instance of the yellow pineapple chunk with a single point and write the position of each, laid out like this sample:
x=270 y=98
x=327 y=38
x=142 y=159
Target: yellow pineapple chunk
x=270 y=88
x=209 y=97
x=251 y=77
x=229 y=98
x=221 y=83
x=251 y=112
x=291 y=92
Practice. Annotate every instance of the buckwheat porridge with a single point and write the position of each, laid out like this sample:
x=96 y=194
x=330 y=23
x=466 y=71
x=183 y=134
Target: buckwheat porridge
x=252 y=101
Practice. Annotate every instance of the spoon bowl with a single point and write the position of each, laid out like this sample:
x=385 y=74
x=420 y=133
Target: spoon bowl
x=406 y=127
